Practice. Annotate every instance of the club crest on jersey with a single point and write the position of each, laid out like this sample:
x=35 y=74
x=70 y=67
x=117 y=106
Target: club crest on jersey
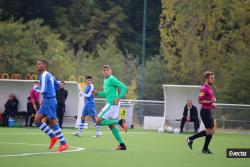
x=201 y=94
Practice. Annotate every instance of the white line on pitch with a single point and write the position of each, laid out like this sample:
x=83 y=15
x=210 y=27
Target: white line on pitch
x=40 y=133
x=75 y=149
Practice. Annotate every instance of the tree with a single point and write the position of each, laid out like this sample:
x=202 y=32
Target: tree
x=22 y=44
x=155 y=77
x=107 y=53
x=92 y=63
x=84 y=29
x=205 y=35
x=131 y=35
x=27 y=10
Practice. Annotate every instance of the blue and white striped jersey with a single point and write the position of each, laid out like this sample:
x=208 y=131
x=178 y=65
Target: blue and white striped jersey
x=48 y=85
x=89 y=97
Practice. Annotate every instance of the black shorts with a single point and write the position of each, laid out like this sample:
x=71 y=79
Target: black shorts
x=207 y=118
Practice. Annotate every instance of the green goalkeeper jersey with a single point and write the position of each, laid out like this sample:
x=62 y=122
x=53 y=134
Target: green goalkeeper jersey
x=110 y=86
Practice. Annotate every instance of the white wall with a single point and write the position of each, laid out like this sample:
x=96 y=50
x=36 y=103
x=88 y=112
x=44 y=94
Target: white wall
x=21 y=89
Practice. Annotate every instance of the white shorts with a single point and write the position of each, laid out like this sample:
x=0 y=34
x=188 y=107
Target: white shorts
x=109 y=111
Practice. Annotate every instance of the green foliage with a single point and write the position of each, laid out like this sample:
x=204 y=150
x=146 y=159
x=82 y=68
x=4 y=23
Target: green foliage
x=131 y=94
x=85 y=29
x=237 y=89
x=84 y=26
x=92 y=63
x=155 y=77
x=17 y=50
x=75 y=38
x=131 y=36
x=21 y=45
x=27 y=10
x=85 y=23
x=107 y=53
x=206 y=35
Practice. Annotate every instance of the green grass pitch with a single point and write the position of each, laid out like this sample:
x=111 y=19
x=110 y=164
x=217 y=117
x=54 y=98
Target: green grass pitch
x=20 y=147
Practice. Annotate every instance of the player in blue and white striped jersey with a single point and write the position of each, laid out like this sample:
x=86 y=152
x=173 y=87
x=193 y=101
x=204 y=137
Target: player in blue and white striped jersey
x=89 y=107
x=47 y=87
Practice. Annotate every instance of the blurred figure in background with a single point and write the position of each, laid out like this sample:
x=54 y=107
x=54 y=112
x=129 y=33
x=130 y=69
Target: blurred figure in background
x=10 y=109
x=61 y=96
x=190 y=114
x=30 y=114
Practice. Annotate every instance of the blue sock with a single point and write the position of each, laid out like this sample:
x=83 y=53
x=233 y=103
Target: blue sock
x=58 y=132
x=81 y=126
x=94 y=120
x=98 y=128
x=45 y=128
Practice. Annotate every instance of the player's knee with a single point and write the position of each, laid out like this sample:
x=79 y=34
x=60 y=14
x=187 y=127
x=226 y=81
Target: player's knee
x=98 y=121
x=111 y=127
x=209 y=131
x=93 y=118
x=53 y=122
x=37 y=121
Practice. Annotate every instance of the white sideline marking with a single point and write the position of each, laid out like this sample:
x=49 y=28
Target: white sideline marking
x=40 y=133
x=75 y=149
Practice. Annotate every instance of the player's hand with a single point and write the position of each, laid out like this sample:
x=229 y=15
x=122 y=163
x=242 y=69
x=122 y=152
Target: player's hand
x=116 y=101
x=94 y=92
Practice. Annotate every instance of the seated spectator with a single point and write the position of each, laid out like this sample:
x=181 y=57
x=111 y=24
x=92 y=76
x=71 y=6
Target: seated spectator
x=190 y=114
x=30 y=115
x=10 y=109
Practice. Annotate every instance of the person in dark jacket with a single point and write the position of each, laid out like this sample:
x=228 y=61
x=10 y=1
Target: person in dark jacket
x=61 y=96
x=30 y=114
x=10 y=109
x=190 y=114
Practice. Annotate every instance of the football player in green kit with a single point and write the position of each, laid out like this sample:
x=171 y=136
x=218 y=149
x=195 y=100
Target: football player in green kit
x=109 y=114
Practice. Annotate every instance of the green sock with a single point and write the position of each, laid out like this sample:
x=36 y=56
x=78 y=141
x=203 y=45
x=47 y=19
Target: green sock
x=109 y=122
x=117 y=135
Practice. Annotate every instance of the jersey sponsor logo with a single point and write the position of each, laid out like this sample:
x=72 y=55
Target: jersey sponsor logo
x=201 y=94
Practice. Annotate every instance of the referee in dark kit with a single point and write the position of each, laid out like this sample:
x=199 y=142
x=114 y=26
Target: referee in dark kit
x=206 y=99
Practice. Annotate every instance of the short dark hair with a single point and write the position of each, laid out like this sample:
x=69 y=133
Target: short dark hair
x=62 y=81
x=207 y=74
x=88 y=77
x=107 y=66
x=44 y=61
